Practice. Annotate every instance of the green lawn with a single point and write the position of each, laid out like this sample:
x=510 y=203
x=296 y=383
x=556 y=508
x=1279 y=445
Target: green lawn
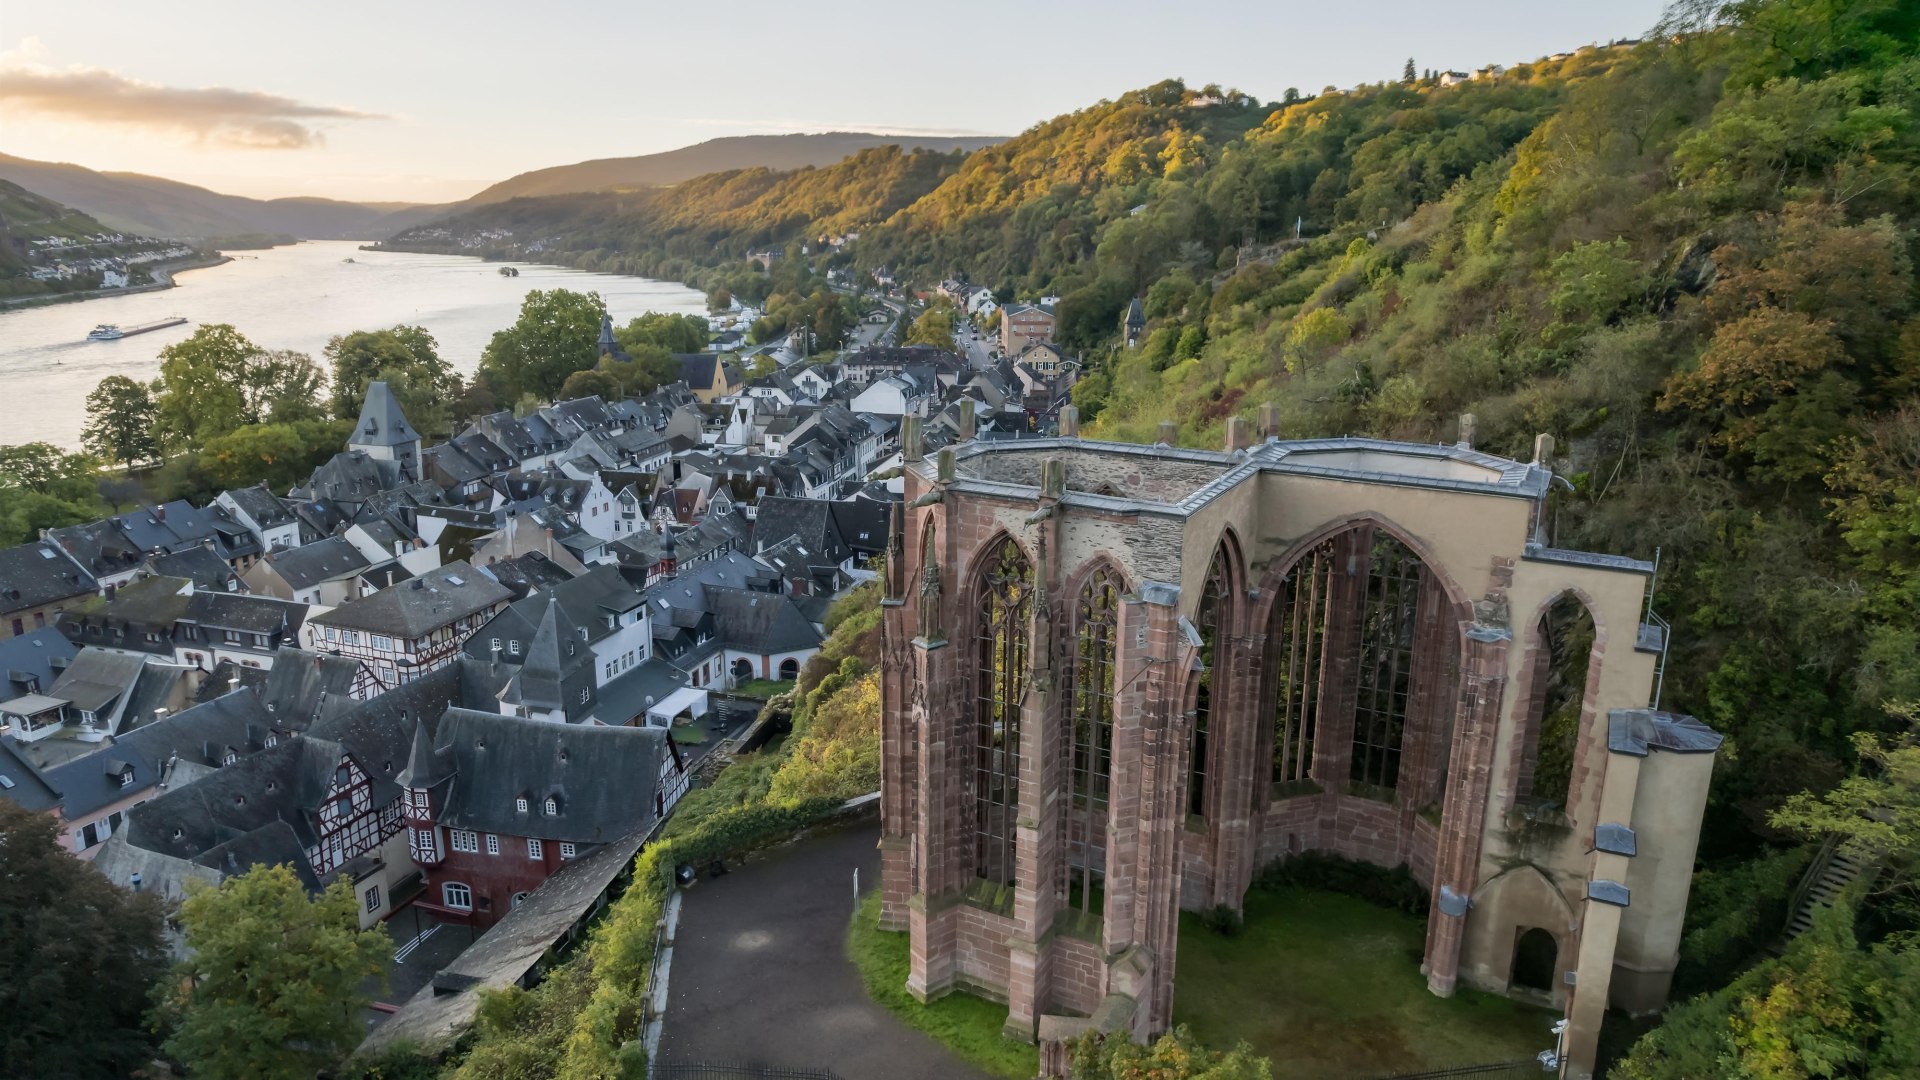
x=763 y=688
x=967 y=1025
x=687 y=735
x=1329 y=986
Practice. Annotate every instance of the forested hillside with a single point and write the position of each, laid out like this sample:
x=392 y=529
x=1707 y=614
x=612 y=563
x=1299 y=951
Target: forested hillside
x=707 y=222
x=780 y=152
x=1691 y=260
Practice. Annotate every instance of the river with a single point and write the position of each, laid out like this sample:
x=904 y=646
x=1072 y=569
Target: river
x=292 y=297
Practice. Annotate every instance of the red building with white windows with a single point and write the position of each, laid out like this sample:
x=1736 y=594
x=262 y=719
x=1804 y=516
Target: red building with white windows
x=495 y=804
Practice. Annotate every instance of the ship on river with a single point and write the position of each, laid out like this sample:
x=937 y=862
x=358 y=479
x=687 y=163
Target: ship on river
x=112 y=332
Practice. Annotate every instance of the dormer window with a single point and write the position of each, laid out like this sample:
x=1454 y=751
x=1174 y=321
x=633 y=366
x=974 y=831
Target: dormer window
x=553 y=807
x=230 y=758
x=126 y=777
x=520 y=804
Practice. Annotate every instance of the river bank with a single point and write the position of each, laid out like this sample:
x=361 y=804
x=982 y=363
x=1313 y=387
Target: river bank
x=296 y=298
x=163 y=279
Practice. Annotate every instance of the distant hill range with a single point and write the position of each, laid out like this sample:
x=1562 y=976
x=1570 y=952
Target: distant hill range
x=779 y=152
x=152 y=206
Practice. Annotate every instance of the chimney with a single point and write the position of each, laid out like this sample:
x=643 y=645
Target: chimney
x=233 y=684
x=134 y=880
x=1467 y=424
x=1069 y=422
x=1269 y=421
x=160 y=513
x=1237 y=435
x=1542 y=449
x=159 y=714
x=966 y=420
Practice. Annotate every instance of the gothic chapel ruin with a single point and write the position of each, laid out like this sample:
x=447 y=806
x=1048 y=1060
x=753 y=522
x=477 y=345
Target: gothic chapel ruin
x=1121 y=679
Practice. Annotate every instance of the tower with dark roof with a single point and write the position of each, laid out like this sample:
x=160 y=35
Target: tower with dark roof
x=609 y=348
x=424 y=782
x=383 y=432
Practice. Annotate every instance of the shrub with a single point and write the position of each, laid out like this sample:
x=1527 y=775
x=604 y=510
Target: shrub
x=1393 y=888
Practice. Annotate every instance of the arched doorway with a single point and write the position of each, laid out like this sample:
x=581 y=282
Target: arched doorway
x=789 y=668
x=742 y=669
x=1536 y=961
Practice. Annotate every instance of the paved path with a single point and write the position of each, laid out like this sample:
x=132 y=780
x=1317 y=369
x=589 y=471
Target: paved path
x=760 y=975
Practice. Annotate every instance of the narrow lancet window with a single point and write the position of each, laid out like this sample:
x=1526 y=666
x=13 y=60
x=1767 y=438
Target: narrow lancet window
x=1002 y=602
x=1095 y=617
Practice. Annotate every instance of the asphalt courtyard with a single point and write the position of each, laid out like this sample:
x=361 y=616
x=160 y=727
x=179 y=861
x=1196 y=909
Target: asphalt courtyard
x=760 y=974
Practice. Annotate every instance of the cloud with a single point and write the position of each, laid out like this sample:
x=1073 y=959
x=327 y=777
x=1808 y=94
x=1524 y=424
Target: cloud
x=249 y=119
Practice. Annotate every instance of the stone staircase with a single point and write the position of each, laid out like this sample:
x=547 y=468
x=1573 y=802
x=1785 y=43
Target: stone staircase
x=1829 y=873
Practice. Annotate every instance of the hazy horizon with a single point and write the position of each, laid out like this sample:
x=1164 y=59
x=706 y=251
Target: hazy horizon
x=432 y=103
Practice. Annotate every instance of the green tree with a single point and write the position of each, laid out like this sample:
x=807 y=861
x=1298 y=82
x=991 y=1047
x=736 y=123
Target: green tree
x=216 y=380
x=72 y=945
x=272 y=986
x=593 y=382
x=933 y=327
x=120 y=419
x=557 y=334
x=408 y=359
x=674 y=333
x=1409 y=74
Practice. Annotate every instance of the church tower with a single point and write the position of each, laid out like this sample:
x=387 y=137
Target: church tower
x=383 y=432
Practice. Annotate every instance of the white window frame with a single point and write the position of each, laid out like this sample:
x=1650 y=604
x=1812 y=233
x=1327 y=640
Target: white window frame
x=493 y=844
x=535 y=849
x=465 y=841
x=450 y=890
x=373 y=898
x=567 y=850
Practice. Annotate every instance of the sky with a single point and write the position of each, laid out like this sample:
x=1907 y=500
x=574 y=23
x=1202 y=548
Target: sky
x=428 y=101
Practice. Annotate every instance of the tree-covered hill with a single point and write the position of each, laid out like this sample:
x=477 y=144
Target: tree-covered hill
x=707 y=222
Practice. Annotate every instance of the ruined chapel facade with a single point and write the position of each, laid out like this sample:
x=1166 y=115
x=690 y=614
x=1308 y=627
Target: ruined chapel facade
x=1119 y=680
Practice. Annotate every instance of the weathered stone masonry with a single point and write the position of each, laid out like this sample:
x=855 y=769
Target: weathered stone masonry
x=1119 y=679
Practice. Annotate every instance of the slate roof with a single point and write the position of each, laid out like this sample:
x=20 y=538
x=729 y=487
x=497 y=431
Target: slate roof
x=352 y=476
x=97 y=678
x=527 y=573
x=602 y=779
x=260 y=504
x=331 y=559
x=199 y=737
x=200 y=565
x=260 y=810
x=33 y=575
x=33 y=660
x=302 y=687
x=381 y=421
x=418 y=607
x=21 y=783
x=759 y=622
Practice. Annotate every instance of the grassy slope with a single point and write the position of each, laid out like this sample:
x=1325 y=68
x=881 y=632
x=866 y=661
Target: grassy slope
x=1330 y=986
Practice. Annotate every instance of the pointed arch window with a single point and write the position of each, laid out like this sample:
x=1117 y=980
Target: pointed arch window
x=1096 y=615
x=1003 y=599
x=1388 y=619
x=1297 y=638
x=1213 y=611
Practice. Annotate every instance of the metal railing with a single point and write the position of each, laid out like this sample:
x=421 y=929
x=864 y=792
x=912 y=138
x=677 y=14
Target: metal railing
x=690 y=1071
x=1529 y=1067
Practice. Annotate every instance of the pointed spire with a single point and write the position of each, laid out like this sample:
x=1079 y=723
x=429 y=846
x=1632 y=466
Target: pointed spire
x=540 y=675
x=382 y=424
x=425 y=768
x=607 y=345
